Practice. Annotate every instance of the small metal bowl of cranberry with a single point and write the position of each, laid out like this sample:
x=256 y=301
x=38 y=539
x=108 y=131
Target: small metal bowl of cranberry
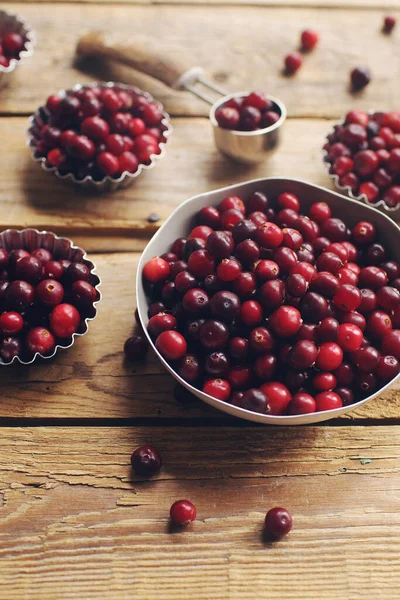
x=362 y=156
x=99 y=136
x=48 y=295
x=17 y=40
x=225 y=327
x=247 y=125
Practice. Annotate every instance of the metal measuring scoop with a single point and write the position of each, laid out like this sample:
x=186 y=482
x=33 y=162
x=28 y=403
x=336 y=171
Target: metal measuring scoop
x=243 y=146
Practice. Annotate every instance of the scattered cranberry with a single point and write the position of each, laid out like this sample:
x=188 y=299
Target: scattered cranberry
x=309 y=39
x=182 y=512
x=360 y=77
x=136 y=348
x=389 y=24
x=146 y=460
x=293 y=62
x=278 y=522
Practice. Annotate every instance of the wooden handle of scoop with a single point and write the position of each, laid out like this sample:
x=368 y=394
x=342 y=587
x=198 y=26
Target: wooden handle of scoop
x=136 y=53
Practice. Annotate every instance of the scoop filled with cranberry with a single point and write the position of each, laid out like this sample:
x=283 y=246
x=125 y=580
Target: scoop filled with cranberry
x=47 y=294
x=99 y=135
x=278 y=309
x=246 y=125
x=363 y=154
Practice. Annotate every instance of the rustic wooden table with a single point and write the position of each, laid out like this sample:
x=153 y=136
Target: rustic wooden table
x=73 y=522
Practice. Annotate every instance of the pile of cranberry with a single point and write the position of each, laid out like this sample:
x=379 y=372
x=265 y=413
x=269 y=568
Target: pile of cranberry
x=43 y=301
x=98 y=132
x=364 y=152
x=274 y=311
x=11 y=46
x=248 y=113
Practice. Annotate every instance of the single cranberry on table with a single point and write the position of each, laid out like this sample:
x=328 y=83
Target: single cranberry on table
x=146 y=460
x=136 y=348
x=293 y=63
x=278 y=522
x=182 y=512
x=389 y=24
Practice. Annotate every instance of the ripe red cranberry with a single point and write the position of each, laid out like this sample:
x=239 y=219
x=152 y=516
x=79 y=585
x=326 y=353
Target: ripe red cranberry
x=195 y=300
x=227 y=117
x=267 y=270
x=232 y=203
x=278 y=522
x=83 y=294
x=265 y=367
x=220 y=244
x=11 y=323
x=182 y=512
x=250 y=118
x=261 y=340
x=353 y=317
x=228 y=269
x=161 y=322
x=269 y=235
x=366 y=358
x=347 y=298
x=216 y=364
x=349 y=337
x=344 y=373
x=128 y=162
x=64 y=320
x=251 y=313
x=217 y=388
x=314 y=307
x=189 y=368
x=328 y=330
x=146 y=460
x=324 y=382
x=388 y=297
x=50 y=292
x=209 y=215
x=53 y=269
x=272 y=294
x=77 y=271
x=364 y=232
x=372 y=277
x=9 y=348
x=285 y=259
x=378 y=324
x=319 y=212
x=40 y=340
x=200 y=231
x=244 y=284
x=343 y=165
x=255 y=400
x=12 y=44
x=328 y=401
x=28 y=269
x=301 y=404
x=81 y=148
x=19 y=295
x=302 y=355
x=296 y=285
x=309 y=39
x=225 y=305
x=248 y=251
x=285 y=321
x=392 y=196
x=278 y=397
x=389 y=23
x=213 y=334
x=329 y=357
x=325 y=283
x=293 y=62
x=391 y=343
x=238 y=348
x=108 y=163
x=155 y=270
x=360 y=77
x=171 y=344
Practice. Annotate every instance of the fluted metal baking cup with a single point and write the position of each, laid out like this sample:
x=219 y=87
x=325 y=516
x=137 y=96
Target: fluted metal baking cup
x=61 y=248
x=381 y=205
x=108 y=184
x=10 y=23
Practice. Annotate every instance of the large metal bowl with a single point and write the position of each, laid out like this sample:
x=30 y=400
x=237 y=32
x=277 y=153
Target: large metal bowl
x=179 y=224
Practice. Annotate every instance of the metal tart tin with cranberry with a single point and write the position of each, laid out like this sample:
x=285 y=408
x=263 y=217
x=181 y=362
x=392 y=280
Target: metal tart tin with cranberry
x=62 y=249
x=393 y=212
x=180 y=223
x=11 y=23
x=107 y=183
x=248 y=147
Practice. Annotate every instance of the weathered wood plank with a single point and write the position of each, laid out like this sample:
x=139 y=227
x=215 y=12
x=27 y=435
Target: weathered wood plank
x=31 y=197
x=91 y=380
x=75 y=525
x=349 y=4
x=241 y=47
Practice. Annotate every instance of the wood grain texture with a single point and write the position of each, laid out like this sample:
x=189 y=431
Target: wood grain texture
x=76 y=525
x=240 y=47
x=118 y=221
x=91 y=379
